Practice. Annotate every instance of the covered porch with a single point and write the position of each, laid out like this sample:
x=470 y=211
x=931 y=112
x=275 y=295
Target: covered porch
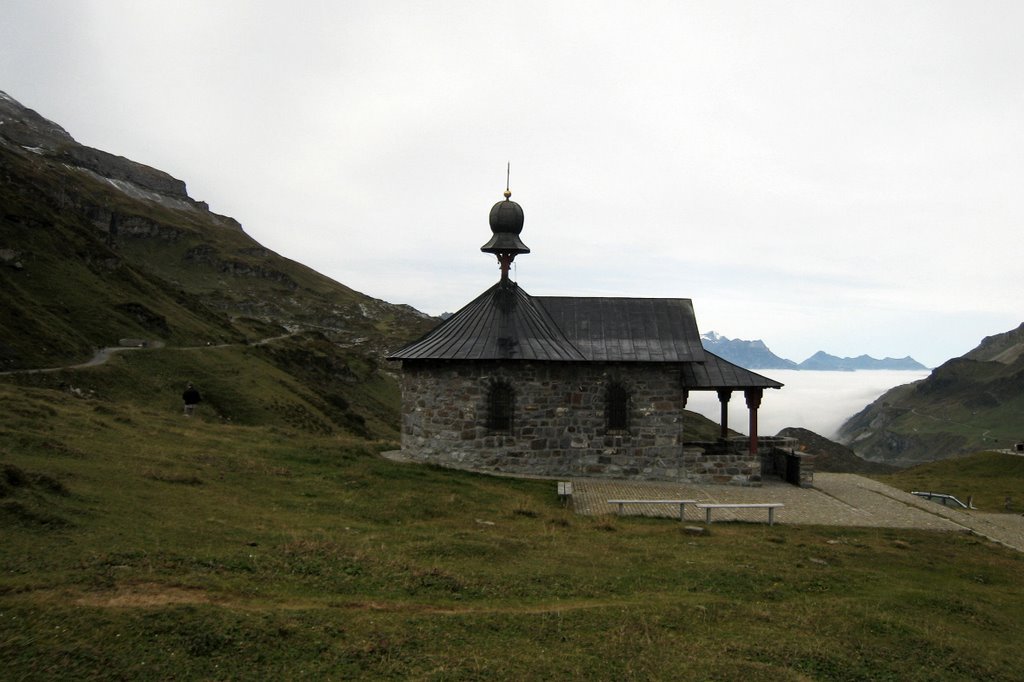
x=727 y=380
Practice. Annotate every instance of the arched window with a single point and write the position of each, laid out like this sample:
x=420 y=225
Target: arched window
x=500 y=406
x=617 y=407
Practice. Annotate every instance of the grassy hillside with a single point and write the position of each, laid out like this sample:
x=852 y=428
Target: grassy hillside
x=96 y=248
x=138 y=544
x=965 y=405
x=994 y=480
x=285 y=383
x=64 y=290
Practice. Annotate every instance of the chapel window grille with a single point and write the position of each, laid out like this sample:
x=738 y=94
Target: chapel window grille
x=500 y=407
x=617 y=407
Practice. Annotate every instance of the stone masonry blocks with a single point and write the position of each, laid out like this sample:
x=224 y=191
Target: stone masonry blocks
x=559 y=424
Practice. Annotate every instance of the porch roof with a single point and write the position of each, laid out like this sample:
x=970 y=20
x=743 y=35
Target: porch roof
x=718 y=373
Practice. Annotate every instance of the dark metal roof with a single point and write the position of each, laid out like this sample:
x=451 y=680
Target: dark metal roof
x=503 y=323
x=716 y=372
x=628 y=329
x=506 y=323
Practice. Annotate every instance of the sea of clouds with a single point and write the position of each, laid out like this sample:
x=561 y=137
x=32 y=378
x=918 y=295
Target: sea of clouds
x=819 y=401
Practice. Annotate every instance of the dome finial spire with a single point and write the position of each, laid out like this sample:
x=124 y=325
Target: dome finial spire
x=506 y=219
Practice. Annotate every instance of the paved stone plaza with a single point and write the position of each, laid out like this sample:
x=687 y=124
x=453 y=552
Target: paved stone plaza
x=835 y=500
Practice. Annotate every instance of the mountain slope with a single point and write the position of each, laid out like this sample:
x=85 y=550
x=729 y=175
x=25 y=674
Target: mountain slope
x=1005 y=348
x=967 y=404
x=95 y=248
x=830 y=456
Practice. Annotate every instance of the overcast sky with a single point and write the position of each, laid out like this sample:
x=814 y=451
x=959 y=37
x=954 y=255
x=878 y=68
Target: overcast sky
x=843 y=176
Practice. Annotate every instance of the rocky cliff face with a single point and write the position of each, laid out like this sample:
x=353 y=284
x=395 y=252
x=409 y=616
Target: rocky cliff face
x=1005 y=348
x=24 y=128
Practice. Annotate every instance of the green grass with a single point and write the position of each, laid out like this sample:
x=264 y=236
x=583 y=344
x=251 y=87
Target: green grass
x=246 y=385
x=138 y=544
x=994 y=480
x=998 y=426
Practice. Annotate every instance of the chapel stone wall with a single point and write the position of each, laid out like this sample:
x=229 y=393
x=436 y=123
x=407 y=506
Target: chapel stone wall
x=559 y=426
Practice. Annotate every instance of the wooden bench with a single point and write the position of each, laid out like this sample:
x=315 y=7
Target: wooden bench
x=682 y=504
x=770 y=506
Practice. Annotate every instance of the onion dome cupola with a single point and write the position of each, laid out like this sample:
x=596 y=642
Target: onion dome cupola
x=506 y=223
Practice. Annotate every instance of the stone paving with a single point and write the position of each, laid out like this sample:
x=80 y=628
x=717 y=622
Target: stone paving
x=835 y=500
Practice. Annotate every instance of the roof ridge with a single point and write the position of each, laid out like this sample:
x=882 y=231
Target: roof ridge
x=502 y=323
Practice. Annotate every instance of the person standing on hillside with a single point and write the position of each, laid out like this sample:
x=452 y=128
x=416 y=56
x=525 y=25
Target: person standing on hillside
x=191 y=398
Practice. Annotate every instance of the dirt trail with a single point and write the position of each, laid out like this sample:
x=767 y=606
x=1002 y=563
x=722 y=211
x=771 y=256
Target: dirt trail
x=104 y=354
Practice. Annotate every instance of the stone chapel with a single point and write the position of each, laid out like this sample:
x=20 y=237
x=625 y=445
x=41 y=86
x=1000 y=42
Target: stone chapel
x=570 y=386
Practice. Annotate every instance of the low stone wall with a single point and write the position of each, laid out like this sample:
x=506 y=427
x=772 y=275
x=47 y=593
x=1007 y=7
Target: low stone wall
x=779 y=458
x=559 y=426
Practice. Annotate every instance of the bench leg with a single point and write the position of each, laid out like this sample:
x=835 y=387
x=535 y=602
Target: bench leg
x=622 y=509
x=771 y=516
x=707 y=515
x=682 y=511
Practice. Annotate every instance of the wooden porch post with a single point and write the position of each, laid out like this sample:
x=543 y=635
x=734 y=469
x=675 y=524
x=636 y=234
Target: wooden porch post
x=724 y=395
x=753 y=396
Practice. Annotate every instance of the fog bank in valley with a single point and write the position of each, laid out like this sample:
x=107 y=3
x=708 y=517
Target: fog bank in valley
x=819 y=401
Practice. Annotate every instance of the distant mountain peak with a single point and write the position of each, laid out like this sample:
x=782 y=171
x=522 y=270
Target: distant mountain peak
x=715 y=337
x=826 y=361
x=748 y=354
x=756 y=355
